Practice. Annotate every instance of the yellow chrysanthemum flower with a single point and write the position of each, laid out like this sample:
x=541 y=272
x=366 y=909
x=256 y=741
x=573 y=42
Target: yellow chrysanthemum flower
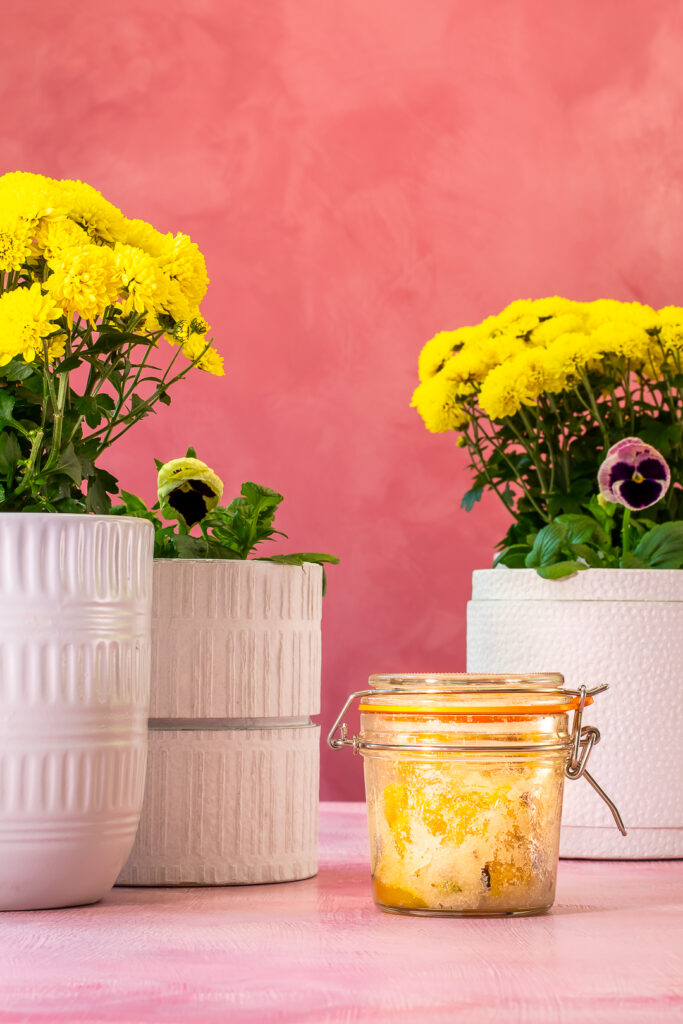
x=142 y=235
x=437 y=404
x=567 y=356
x=519 y=381
x=437 y=350
x=609 y=311
x=184 y=263
x=85 y=279
x=27 y=319
x=514 y=311
x=627 y=340
x=555 y=305
x=212 y=362
x=177 y=304
x=16 y=234
x=192 y=337
x=671 y=315
x=30 y=196
x=99 y=218
x=473 y=362
x=548 y=330
x=145 y=286
x=54 y=235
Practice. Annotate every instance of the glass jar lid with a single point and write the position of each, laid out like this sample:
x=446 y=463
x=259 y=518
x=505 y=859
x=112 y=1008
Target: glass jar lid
x=464 y=693
x=480 y=695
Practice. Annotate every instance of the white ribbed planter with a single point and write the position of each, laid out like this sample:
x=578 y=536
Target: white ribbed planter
x=233 y=771
x=623 y=627
x=75 y=602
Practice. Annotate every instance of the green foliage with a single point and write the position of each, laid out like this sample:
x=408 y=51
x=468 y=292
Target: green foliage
x=471 y=497
x=594 y=538
x=227 y=532
x=53 y=432
x=543 y=461
x=661 y=547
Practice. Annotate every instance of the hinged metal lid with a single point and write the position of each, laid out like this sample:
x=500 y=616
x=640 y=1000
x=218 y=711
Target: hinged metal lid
x=485 y=696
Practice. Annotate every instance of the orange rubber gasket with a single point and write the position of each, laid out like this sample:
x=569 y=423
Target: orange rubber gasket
x=517 y=711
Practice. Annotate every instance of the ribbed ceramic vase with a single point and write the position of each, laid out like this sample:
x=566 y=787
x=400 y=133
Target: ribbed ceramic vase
x=233 y=773
x=75 y=605
x=623 y=627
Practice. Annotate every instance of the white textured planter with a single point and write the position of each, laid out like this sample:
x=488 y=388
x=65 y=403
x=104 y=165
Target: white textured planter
x=233 y=773
x=75 y=602
x=623 y=627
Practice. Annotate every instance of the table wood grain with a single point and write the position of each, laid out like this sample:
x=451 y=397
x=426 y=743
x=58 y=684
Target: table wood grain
x=610 y=951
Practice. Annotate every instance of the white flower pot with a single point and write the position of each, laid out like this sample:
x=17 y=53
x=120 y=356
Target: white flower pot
x=75 y=602
x=233 y=774
x=623 y=627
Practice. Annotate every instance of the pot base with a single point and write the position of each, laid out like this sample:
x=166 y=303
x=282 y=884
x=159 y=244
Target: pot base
x=590 y=842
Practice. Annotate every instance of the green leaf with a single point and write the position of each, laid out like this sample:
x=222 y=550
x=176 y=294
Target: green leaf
x=300 y=557
x=2 y=493
x=547 y=545
x=69 y=505
x=18 y=370
x=10 y=452
x=6 y=405
x=190 y=453
x=68 y=364
x=87 y=406
x=629 y=561
x=100 y=486
x=133 y=504
x=588 y=554
x=256 y=493
x=105 y=402
x=513 y=556
x=70 y=465
x=199 y=547
x=164 y=397
x=158 y=463
x=581 y=528
x=470 y=498
x=560 y=569
x=662 y=547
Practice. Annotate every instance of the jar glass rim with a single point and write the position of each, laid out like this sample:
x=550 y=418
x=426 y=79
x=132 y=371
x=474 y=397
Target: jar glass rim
x=469 y=681
x=468 y=693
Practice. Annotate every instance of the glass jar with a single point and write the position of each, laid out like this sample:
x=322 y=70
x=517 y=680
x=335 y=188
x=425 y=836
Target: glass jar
x=464 y=777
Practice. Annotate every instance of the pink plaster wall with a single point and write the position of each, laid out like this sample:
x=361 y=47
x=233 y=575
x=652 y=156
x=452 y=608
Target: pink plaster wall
x=359 y=176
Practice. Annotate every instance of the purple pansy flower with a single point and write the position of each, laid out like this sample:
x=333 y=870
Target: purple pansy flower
x=633 y=474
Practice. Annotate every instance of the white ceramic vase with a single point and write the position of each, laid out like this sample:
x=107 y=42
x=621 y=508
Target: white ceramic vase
x=233 y=772
x=623 y=627
x=75 y=603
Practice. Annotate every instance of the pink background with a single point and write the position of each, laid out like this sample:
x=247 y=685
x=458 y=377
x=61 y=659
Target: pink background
x=359 y=176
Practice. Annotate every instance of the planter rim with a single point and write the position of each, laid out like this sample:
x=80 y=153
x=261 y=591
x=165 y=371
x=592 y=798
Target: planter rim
x=232 y=561
x=588 y=585
x=89 y=517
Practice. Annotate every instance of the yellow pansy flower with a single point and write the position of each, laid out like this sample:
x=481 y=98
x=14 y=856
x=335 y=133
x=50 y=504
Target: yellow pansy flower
x=188 y=489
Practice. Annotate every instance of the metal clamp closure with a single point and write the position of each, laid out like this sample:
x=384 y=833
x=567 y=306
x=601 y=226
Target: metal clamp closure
x=583 y=739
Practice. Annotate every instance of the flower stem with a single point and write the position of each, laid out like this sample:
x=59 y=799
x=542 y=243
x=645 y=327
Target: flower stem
x=626 y=532
x=36 y=446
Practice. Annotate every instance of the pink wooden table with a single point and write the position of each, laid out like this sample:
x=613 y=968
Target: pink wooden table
x=610 y=951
